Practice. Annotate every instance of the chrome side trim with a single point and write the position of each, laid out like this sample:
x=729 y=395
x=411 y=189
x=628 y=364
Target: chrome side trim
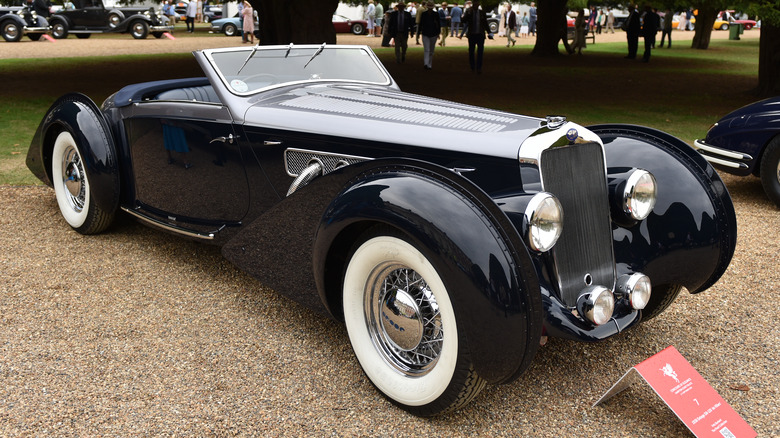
x=297 y=160
x=723 y=157
x=166 y=226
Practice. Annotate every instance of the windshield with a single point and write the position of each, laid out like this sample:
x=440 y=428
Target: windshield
x=248 y=70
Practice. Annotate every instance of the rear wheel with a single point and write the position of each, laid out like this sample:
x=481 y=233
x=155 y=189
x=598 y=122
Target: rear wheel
x=724 y=26
x=230 y=30
x=83 y=36
x=403 y=328
x=34 y=36
x=114 y=19
x=11 y=31
x=157 y=34
x=139 y=29
x=770 y=171
x=72 y=188
x=59 y=30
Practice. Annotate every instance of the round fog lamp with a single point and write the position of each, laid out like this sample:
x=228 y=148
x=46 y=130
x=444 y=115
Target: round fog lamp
x=596 y=304
x=545 y=221
x=637 y=288
x=640 y=194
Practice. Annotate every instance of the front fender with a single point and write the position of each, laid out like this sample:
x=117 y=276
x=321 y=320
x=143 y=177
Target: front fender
x=690 y=237
x=493 y=285
x=80 y=116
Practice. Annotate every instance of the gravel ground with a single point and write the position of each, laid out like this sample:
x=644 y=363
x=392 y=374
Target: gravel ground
x=135 y=332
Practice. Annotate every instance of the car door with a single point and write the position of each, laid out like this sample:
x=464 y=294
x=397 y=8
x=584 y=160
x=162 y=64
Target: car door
x=186 y=163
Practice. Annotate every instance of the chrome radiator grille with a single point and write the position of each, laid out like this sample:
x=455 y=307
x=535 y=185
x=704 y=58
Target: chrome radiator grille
x=583 y=254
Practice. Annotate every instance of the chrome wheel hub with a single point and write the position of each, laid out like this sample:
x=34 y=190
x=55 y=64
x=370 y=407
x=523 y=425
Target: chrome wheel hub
x=403 y=319
x=73 y=179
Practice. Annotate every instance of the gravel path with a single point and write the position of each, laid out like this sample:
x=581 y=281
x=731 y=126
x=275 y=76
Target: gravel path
x=135 y=332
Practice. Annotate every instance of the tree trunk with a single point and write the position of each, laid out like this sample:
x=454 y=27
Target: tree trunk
x=703 y=30
x=296 y=21
x=550 y=14
x=769 y=61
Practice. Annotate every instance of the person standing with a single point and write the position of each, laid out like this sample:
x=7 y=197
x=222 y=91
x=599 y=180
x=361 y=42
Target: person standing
x=667 y=28
x=532 y=19
x=632 y=32
x=524 y=25
x=580 y=30
x=650 y=24
x=510 y=24
x=444 y=19
x=475 y=26
x=170 y=12
x=192 y=11
x=370 y=15
x=379 y=15
x=399 y=26
x=610 y=21
x=455 y=16
x=249 y=22
x=430 y=28
x=420 y=8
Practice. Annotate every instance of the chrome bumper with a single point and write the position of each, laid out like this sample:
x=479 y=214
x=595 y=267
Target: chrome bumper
x=161 y=28
x=722 y=157
x=41 y=29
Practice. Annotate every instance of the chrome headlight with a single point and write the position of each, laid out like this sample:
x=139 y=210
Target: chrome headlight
x=545 y=221
x=639 y=195
x=596 y=304
x=637 y=288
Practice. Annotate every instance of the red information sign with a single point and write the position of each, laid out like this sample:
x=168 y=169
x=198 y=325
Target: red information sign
x=688 y=395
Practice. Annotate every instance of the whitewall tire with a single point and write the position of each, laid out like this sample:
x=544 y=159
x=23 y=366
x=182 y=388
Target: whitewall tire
x=403 y=328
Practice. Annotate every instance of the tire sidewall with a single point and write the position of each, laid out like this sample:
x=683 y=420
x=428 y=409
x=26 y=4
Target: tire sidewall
x=405 y=390
x=73 y=218
x=768 y=171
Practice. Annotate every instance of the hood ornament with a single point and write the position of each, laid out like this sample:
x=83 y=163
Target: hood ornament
x=555 y=122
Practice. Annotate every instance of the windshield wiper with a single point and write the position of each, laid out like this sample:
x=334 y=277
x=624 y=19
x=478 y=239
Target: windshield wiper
x=254 y=50
x=322 y=47
x=288 y=50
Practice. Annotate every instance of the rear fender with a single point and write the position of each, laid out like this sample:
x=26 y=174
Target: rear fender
x=493 y=284
x=77 y=114
x=689 y=238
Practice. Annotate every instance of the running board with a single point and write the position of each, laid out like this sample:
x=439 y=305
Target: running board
x=173 y=228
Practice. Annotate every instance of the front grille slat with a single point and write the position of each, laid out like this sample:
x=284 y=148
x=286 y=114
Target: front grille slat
x=576 y=175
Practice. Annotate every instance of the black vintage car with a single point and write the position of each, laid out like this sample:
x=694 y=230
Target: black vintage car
x=452 y=240
x=17 y=21
x=90 y=16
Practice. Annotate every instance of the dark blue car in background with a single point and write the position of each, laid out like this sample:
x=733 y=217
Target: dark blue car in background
x=747 y=141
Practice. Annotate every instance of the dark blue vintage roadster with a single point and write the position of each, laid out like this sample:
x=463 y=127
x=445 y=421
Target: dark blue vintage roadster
x=451 y=240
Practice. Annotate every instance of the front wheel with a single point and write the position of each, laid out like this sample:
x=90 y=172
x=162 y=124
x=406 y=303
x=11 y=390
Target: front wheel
x=493 y=27
x=72 y=188
x=11 y=32
x=357 y=29
x=724 y=26
x=403 y=328
x=770 y=171
x=660 y=299
x=139 y=29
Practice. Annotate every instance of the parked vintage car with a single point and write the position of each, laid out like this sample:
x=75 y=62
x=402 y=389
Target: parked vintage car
x=452 y=240
x=232 y=26
x=90 y=16
x=343 y=24
x=18 y=21
x=211 y=13
x=747 y=142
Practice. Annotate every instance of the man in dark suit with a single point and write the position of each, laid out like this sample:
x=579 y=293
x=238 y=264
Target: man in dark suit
x=400 y=25
x=632 y=32
x=650 y=24
x=476 y=25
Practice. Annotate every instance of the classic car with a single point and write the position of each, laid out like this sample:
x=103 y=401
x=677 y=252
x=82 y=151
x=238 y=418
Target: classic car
x=232 y=26
x=747 y=142
x=732 y=19
x=211 y=13
x=343 y=24
x=17 y=21
x=90 y=16
x=451 y=240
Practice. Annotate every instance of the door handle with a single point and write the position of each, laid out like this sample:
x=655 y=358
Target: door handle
x=229 y=139
x=272 y=143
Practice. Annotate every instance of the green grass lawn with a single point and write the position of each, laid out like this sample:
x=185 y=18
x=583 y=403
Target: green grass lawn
x=681 y=91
